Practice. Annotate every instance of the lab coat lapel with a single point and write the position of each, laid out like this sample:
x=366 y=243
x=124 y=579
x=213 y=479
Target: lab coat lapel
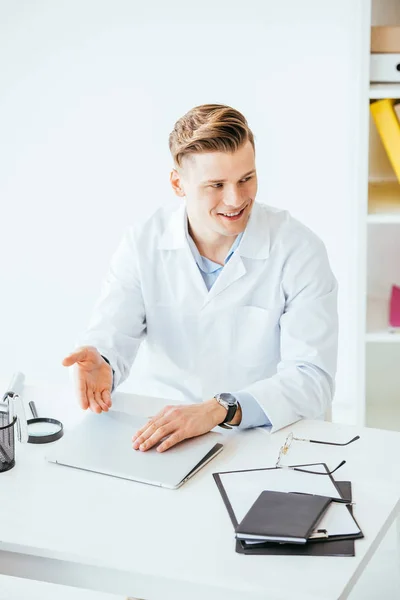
x=254 y=245
x=231 y=272
x=184 y=278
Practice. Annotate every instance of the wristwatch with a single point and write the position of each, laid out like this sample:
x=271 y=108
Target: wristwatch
x=229 y=402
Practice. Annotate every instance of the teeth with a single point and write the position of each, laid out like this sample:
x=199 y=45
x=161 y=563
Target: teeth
x=232 y=214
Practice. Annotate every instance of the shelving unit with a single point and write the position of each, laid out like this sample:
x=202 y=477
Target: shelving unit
x=377 y=319
x=382 y=346
x=384 y=202
x=378 y=91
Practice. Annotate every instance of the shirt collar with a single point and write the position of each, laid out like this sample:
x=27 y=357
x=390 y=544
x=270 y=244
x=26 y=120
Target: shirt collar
x=205 y=264
x=256 y=237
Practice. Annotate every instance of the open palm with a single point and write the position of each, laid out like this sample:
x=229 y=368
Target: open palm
x=94 y=378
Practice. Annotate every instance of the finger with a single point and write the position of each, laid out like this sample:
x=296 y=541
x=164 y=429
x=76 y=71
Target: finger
x=167 y=414
x=94 y=407
x=173 y=439
x=100 y=402
x=105 y=394
x=140 y=431
x=69 y=360
x=83 y=400
x=147 y=432
x=158 y=435
x=142 y=434
x=74 y=357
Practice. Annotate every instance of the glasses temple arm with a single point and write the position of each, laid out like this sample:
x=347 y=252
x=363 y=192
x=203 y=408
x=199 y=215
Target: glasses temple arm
x=357 y=437
x=314 y=472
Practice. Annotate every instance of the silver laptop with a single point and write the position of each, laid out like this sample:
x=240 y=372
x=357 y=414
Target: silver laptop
x=103 y=444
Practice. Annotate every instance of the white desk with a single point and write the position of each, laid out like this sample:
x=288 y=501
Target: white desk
x=74 y=528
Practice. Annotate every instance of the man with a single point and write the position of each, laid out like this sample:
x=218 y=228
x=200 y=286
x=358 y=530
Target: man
x=236 y=300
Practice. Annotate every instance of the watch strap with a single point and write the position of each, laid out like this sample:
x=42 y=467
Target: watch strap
x=230 y=414
x=231 y=411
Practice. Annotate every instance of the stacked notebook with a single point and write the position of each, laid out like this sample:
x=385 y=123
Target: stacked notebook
x=277 y=511
x=282 y=517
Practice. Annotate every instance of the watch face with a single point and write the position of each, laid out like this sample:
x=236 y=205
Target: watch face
x=229 y=398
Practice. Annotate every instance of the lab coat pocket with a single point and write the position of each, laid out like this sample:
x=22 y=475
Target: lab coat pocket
x=256 y=336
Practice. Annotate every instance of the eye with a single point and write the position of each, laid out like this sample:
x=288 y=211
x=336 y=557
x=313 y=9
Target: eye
x=219 y=185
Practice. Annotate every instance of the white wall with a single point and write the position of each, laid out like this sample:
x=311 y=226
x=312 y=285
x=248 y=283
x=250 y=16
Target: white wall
x=89 y=91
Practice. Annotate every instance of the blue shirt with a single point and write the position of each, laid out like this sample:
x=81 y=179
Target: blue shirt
x=252 y=413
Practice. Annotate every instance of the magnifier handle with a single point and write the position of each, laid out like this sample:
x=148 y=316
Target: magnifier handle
x=32 y=406
x=22 y=426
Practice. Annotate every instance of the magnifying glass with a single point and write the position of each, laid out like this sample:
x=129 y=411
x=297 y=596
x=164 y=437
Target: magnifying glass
x=42 y=430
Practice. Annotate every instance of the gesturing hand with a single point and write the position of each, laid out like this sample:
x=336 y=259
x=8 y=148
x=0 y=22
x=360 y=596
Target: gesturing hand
x=94 y=378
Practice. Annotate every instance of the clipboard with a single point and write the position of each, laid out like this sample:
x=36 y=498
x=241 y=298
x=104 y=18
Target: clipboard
x=316 y=547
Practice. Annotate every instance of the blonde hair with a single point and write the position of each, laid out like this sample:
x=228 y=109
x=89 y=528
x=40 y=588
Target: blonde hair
x=209 y=128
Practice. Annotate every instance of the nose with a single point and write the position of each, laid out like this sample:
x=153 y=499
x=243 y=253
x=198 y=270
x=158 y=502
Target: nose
x=233 y=199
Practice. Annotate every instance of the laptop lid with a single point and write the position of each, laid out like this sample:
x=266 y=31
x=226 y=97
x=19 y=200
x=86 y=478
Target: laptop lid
x=103 y=444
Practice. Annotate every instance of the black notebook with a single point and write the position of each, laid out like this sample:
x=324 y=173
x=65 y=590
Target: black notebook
x=282 y=517
x=337 y=546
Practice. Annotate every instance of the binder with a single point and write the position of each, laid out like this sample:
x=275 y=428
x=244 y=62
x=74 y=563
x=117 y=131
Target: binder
x=394 y=308
x=282 y=517
x=388 y=127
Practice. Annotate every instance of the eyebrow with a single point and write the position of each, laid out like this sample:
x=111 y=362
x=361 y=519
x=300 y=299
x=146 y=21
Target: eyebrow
x=223 y=180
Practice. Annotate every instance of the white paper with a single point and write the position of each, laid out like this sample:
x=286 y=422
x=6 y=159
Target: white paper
x=338 y=521
x=243 y=488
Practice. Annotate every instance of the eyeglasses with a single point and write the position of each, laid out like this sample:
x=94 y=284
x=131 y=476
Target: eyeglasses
x=288 y=442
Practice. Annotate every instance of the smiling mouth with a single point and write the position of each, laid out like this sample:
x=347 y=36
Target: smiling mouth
x=233 y=216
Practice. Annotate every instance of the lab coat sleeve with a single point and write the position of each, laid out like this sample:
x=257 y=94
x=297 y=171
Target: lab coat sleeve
x=252 y=413
x=303 y=386
x=118 y=323
x=113 y=374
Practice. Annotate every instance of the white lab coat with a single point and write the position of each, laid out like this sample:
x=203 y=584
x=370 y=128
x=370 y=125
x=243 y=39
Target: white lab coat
x=268 y=325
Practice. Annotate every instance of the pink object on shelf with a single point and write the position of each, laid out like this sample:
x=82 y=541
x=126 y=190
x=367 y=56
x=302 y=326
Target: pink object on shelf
x=394 y=308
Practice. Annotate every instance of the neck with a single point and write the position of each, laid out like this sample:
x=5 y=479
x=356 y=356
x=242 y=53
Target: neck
x=214 y=249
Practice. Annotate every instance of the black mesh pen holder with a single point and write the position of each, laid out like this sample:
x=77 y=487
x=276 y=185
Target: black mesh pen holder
x=7 y=443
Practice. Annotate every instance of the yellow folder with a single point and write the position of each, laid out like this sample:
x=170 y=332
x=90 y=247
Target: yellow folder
x=388 y=126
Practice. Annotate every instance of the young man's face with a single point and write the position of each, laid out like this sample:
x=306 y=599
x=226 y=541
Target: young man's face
x=217 y=186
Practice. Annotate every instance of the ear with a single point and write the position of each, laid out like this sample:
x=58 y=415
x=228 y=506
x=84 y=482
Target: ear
x=176 y=183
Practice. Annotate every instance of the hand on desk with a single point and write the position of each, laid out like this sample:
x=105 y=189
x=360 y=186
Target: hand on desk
x=94 y=378
x=177 y=423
